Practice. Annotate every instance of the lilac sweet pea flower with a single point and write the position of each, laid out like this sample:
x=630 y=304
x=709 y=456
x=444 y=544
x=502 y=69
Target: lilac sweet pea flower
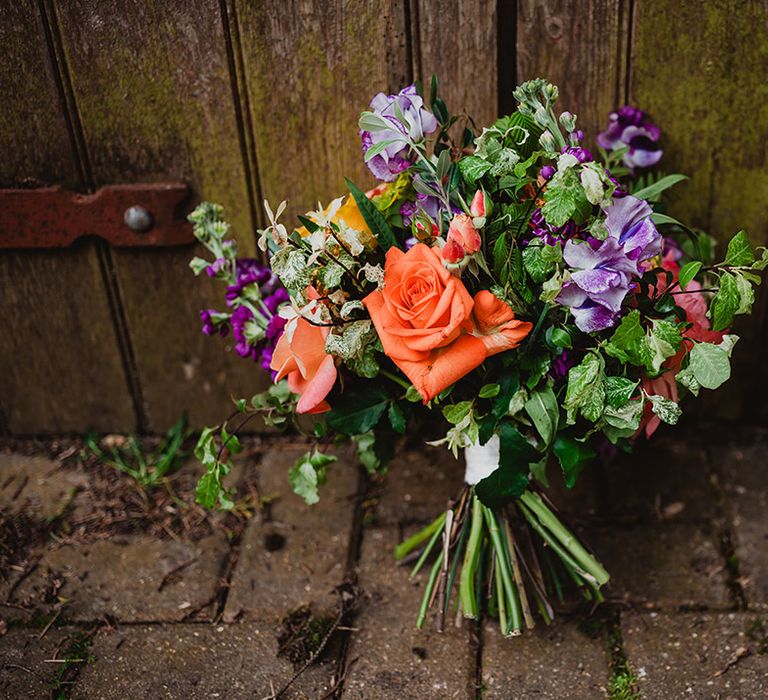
x=602 y=271
x=394 y=158
x=630 y=126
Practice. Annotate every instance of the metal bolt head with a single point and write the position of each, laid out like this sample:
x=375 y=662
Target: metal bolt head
x=138 y=219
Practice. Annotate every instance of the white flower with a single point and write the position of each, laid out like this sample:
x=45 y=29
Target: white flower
x=323 y=217
x=350 y=237
x=278 y=231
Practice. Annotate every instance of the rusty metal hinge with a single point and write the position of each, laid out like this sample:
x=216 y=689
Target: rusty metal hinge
x=123 y=215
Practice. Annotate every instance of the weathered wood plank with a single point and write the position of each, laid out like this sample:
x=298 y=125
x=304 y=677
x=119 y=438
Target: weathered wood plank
x=155 y=96
x=579 y=46
x=456 y=40
x=311 y=67
x=699 y=69
x=61 y=362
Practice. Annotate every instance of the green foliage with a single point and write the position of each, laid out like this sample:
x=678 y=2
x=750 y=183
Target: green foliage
x=357 y=411
x=573 y=456
x=666 y=409
x=511 y=478
x=565 y=199
x=147 y=468
x=618 y=390
x=308 y=473
x=585 y=394
x=652 y=191
x=710 y=365
x=373 y=218
x=688 y=272
x=544 y=411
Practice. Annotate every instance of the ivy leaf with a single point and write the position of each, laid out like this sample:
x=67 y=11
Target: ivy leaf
x=710 y=364
x=726 y=302
x=308 y=473
x=511 y=478
x=356 y=412
x=544 y=411
x=535 y=264
x=666 y=409
x=688 y=272
x=585 y=393
x=626 y=418
x=663 y=341
x=686 y=378
x=473 y=168
x=627 y=344
x=373 y=218
x=739 y=253
x=618 y=390
x=573 y=457
x=457 y=412
x=396 y=417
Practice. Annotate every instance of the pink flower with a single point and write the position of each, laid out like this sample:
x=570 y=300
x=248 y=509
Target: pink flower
x=452 y=252
x=300 y=355
x=462 y=232
x=477 y=208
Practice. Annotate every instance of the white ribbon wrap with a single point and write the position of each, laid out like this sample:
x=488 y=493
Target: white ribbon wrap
x=481 y=460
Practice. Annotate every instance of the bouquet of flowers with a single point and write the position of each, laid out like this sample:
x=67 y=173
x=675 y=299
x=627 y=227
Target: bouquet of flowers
x=535 y=301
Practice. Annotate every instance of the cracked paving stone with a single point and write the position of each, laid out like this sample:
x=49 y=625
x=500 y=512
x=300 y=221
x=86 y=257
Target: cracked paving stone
x=549 y=663
x=132 y=579
x=393 y=658
x=680 y=656
x=743 y=466
x=299 y=555
x=194 y=662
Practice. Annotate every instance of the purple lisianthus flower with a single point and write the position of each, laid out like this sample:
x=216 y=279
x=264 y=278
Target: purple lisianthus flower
x=602 y=272
x=630 y=127
x=419 y=122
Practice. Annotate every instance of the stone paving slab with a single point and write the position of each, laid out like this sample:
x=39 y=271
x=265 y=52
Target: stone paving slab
x=132 y=579
x=298 y=556
x=26 y=672
x=743 y=468
x=546 y=663
x=668 y=565
x=667 y=477
x=193 y=662
x=679 y=656
x=36 y=484
x=393 y=659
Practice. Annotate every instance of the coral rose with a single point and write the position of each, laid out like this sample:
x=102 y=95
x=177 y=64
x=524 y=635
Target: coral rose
x=431 y=327
x=300 y=355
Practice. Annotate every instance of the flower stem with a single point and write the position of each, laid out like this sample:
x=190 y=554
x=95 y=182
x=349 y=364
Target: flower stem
x=430 y=546
x=585 y=560
x=503 y=565
x=395 y=378
x=404 y=548
x=471 y=555
x=427 y=597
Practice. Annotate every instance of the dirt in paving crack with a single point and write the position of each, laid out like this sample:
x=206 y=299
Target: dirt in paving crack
x=301 y=634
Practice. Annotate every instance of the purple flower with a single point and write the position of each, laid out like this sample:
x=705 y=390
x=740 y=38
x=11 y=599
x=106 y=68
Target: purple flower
x=215 y=267
x=630 y=127
x=547 y=172
x=395 y=158
x=581 y=154
x=213 y=322
x=601 y=272
x=561 y=364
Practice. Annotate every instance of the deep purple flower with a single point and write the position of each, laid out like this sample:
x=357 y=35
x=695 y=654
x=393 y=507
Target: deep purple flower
x=213 y=322
x=215 y=267
x=560 y=365
x=395 y=158
x=549 y=234
x=581 y=154
x=630 y=127
x=601 y=272
x=547 y=172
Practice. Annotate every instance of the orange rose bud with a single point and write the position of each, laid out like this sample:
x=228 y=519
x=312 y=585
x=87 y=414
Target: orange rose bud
x=464 y=233
x=477 y=208
x=452 y=252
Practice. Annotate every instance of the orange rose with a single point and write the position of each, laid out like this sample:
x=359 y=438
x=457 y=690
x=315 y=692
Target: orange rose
x=431 y=327
x=462 y=231
x=300 y=355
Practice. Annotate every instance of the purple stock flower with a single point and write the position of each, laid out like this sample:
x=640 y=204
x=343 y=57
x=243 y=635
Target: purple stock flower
x=215 y=267
x=630 y=127
x=394 y=158
x=547 y=172
x=561 y=364
x=581 y=154
x=601 y=272
x=212 y=325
